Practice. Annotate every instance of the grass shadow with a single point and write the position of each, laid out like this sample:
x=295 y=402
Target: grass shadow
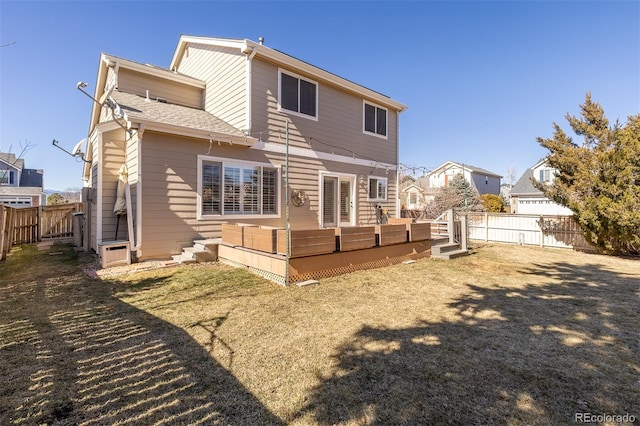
x=531 y=354
x=72 y=353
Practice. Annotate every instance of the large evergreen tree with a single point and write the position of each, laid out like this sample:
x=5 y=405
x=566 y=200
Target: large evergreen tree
x=599 y=179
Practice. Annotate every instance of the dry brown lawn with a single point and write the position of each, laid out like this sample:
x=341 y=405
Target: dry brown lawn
x=509 y=336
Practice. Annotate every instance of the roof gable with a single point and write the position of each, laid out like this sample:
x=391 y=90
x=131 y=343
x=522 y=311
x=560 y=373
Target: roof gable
x=252 y=48
x=472 y=169
x=524 y=185
x=10 y=160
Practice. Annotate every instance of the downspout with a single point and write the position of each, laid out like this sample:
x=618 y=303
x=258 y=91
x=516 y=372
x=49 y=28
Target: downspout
x=99 y=191
x=138 y=241
x=249 y=73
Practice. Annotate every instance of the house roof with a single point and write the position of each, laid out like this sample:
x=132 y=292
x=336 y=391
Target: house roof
x=107 y=61
x=524 y=185
x=10 y=159
x=141 y=110
x=249 y=47
x=31 y=178
x=412 y=186
x=472 y=169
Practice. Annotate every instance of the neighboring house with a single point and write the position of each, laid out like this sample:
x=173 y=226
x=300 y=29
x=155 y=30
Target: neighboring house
x=20 y=187
x=206 y=141
x=484 y=181
x=505 y=193
x=412 y=197
x=527 y=199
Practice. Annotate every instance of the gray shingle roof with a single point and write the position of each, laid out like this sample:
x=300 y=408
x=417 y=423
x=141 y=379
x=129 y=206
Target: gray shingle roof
x=139 y=108
x=31 y=178
x=524 y=186
x=479 y=170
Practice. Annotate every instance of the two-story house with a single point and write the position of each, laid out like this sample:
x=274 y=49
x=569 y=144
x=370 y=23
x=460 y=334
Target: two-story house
x=19 y=186
x=484 y=181
x=527 y=199
x=224 y=135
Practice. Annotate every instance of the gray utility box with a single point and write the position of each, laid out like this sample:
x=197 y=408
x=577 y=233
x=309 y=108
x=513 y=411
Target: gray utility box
x=114 y=253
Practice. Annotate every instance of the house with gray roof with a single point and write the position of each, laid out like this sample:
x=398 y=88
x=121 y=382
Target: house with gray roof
x=19 y=186
x=225 y=134
x=484 y=181
x=527 y=199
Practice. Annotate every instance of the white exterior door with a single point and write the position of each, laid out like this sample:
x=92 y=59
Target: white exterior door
x=337 y=200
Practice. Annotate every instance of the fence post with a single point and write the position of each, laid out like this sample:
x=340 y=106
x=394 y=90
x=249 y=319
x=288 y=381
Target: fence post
x=486 y=226
x=6 y=231
x=38 y=221
x=464 y=231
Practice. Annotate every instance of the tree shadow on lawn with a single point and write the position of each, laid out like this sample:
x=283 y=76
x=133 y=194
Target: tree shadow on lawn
x=535 y=354
x=74 y=354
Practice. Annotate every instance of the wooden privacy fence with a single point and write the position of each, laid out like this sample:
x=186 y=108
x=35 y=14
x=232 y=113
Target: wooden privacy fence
x=33 y=224
x=543 y=231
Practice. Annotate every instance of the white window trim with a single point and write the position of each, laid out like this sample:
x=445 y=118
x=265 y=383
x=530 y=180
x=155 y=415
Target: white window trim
x=386 y=136
x=386 y=179
x=227 y=161
x=299 y=77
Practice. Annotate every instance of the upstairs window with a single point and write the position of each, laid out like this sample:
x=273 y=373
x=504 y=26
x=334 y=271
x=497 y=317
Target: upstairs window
x=545 y=175
x=375 y=120
x=377 y=188
x=298 y=95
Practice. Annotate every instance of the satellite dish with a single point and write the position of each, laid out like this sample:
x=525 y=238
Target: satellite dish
x=77 y=150
x=106 y=95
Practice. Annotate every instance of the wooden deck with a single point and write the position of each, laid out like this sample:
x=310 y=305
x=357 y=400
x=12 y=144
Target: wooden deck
x=320 y=253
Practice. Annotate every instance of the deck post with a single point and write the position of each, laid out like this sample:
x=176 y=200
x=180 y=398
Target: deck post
x=451 y=226
x=287 y=226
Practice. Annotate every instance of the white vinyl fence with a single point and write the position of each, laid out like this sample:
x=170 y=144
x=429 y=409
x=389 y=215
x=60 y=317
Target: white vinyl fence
x=543 y=231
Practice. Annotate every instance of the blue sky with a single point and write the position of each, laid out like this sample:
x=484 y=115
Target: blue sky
x=482 y=79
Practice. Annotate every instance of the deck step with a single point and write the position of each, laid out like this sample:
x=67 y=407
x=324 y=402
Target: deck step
x=444 y=248
x=451 y=254
x=209 y=244
x=202 y=251
x=184 y=258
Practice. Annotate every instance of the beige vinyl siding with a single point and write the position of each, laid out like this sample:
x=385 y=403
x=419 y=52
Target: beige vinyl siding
x=169 y=198
x=112 y=79
x=340 y=119
x=130 y=81
x=169 y=195
x=113 y=156
x=340 y=123
x=92 y=147
x=224 y=70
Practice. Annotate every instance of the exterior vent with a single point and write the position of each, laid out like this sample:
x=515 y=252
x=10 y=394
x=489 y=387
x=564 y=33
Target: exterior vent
x=163 y=100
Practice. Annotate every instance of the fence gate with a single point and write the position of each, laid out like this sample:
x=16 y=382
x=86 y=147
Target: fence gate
x=57 y=221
